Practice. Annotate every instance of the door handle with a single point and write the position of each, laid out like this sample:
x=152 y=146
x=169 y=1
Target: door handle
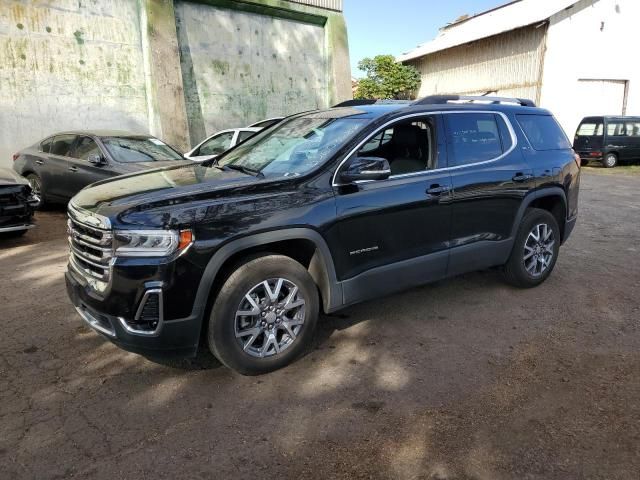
x=40 y=162
x=436 y=189
x=73 y=169
x=522 y=177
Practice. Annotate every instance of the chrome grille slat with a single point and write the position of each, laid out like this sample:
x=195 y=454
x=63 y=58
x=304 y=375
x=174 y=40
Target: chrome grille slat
x=90 y=247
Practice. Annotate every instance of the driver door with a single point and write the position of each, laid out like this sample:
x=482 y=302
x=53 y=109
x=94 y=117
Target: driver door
x=394 y=233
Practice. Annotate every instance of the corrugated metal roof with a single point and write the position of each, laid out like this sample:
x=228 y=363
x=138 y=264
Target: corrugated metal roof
x=327 y=4
x=492 y=22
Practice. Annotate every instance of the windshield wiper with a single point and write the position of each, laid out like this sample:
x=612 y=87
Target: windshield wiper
x=245 y=170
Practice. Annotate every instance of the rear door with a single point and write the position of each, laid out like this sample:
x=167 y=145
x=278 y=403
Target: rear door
x=589 y=138
x=81 y=172
x=55 y=173
x=490 y=178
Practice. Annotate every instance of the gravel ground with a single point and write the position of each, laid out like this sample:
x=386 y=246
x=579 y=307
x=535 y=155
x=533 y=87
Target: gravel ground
x=466 y=378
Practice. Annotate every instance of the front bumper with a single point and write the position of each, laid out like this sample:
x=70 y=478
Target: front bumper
x=586 y=155
x=16 y=228
x=171 y=338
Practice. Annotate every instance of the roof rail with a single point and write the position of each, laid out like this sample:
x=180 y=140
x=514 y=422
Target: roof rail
x=442 y=99
x=370 y=101
x=356 y=103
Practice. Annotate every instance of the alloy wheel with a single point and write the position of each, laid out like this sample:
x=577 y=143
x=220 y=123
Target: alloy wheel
x=270 y=317
x=611 y=160
x=538 y=249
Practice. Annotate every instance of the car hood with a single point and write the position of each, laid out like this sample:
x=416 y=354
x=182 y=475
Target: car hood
x=9 y=177
x=162 y=188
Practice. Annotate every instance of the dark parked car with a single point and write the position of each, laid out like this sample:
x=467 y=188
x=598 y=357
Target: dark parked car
x=324 y=210
x=16 y=204
x=610 y=140
x=61 y=165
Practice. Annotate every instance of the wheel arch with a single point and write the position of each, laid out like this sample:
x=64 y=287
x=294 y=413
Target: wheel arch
x=312 y=251
x=553 y=199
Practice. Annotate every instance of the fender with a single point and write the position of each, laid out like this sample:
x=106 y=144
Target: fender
x=321 y=268
x=535 y=195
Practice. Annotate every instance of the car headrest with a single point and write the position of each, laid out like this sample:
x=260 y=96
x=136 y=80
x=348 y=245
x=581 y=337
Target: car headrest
x=406 y=136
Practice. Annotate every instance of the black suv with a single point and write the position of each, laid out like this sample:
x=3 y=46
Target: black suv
x=324 y=210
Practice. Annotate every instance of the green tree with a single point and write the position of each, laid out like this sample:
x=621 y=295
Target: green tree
x=387 y=79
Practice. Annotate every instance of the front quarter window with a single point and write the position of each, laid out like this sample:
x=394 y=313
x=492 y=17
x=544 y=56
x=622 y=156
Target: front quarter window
x=296 y=146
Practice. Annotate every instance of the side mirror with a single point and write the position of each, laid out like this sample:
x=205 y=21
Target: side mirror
x=96 y=159
x=366 y=168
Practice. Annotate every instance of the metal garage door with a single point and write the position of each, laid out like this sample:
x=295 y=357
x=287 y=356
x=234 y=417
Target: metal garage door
x=598 y=97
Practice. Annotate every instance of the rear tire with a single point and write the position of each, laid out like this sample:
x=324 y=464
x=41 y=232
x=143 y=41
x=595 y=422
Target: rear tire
x=36 y=188
x=264 y=316
x=535 y=250
x=583 y=162
x=610 y=160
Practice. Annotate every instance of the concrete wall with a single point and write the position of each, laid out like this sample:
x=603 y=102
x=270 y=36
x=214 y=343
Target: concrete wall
x=594 y=40
x=507 y=64
x=253 y=67
x=68 y=64
x=168 y=67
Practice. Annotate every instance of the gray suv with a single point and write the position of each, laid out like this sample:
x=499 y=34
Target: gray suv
x=61 y=165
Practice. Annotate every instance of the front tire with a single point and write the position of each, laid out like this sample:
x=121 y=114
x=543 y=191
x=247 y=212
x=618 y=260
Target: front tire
x=265 y=315
x=535 y=250
x=610 y=160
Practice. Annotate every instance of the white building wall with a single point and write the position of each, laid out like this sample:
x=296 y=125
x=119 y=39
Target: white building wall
x=594 y=40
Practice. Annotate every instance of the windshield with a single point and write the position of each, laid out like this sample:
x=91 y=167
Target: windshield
x=139 y=149
x=294 y=147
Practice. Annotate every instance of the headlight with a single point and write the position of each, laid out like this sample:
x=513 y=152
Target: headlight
x=150 y=243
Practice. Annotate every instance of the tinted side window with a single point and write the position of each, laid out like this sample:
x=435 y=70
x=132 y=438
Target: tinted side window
x=85 y=147
x=216 y=145
x=473 y=138
x=242 y=136
x=45 y=145
x=62 y=144
x=615 y=128
x=543 y=132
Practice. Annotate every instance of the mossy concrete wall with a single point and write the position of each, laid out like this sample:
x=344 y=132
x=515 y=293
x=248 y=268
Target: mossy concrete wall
x=68 y=65
x=179 y=70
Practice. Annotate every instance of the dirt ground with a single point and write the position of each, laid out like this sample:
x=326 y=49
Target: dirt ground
x=467 y=378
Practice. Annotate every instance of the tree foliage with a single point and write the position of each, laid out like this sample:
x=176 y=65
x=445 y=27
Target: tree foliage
x=387 y=79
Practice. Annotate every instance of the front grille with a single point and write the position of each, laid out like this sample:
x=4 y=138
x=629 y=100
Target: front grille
x=91 y=249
